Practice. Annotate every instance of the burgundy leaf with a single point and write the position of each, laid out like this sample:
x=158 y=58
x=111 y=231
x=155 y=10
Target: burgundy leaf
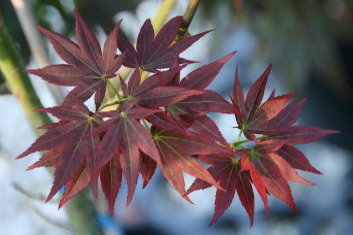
x=288 y=116
x=49 y=159
x=296 y=159
x=207 y=102
x=299 y=134
x=126 y=136
x=203 y=76
x=75 y=185
x=225 y=170
x=256 y=92
x=164 y=96
x=89 y=68
x=157 y=52
x=238 y=99
x=147 y=169
x=111 y=176
x=175 y=149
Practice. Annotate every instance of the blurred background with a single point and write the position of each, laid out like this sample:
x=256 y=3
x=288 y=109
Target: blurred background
x=310 y=44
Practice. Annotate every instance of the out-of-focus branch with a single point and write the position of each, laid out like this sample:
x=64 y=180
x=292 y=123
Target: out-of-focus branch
x=52 y=221
x=28 y=194
x=35 y=42
x=18 y=81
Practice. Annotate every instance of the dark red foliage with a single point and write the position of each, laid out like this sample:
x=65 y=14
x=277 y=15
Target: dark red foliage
x=176 y=148
x=88 y=67
x=71 y=148
x=226 y=170
x=157 y=52
x=162 y=121
x=273 y=161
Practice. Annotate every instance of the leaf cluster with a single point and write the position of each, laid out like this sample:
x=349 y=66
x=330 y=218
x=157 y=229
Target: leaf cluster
x=162 y=121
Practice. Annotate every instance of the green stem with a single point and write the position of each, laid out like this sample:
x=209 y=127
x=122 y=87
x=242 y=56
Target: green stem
x=81 y=211
x=113 y=103
x=239 y=143
x=187 y=18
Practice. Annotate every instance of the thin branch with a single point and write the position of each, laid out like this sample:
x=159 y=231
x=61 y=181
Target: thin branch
x=37 y=197
x=35 y=42
x=187 y=18
x=51 y=220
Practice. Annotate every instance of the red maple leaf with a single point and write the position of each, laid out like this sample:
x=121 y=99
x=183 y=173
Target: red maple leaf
x=268 y=165
x=111 y=177
x=176 y=148
x=157 y=52
x=226 y=171
x=71 y=148
x=273 y=117
x=125 y=136
x=88 y=68
x=270 y=172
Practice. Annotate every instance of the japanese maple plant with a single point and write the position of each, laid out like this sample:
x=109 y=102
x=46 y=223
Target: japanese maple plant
x=158 y=119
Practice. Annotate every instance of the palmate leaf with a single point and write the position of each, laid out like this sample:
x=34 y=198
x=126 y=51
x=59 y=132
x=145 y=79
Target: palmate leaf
x=70 y=145
x=88 y=67
x=175 y=148
x=226 y=170
x=245 y=108
x=157 y=52
x=263 y=166
x=273 y=117
x=270 y=172
x=126 y=136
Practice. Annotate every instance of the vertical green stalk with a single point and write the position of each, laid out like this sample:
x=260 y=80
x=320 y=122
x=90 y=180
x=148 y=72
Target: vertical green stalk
x=81 y=210
x=18 y=81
